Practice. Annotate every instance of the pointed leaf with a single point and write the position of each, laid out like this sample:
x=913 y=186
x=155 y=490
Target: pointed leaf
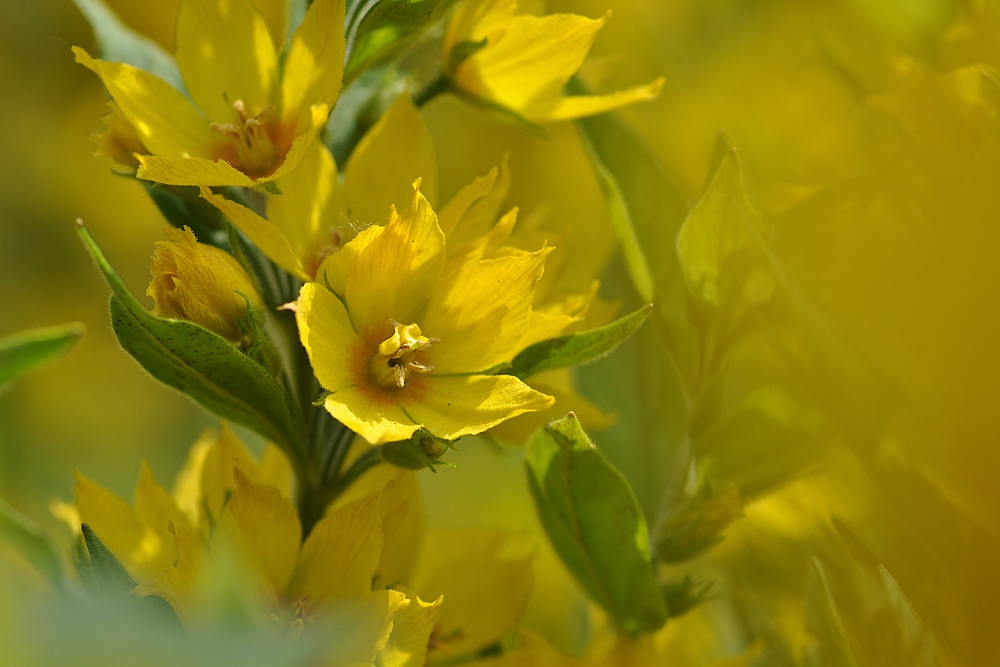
x=198 y=362
x=577 y=348
x=28 y=539
x=725 y=264
x=119 y=43
x=381 y=29
x=110 y=574
x=595 y=524
x=26 y=350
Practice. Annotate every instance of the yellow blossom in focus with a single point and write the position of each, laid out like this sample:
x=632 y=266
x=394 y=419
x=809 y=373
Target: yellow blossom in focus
x=520 y=63
x=462 y=320
x=247 y=120
x=200 y=283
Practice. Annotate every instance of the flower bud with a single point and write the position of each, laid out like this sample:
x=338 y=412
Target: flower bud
x=200 y=283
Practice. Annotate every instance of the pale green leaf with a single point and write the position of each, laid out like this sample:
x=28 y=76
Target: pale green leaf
x=23 y=351
x=595 y=524
x=577 y=348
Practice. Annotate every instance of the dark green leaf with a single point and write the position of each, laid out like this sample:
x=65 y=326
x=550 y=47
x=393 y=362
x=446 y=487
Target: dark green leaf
x=28 y=539
x=183 y=206
x=110 y=575
x=383 y=28
x=26 y=350
x=119 y=43
x=198 y=362
x=595 y=524
x=577 y=348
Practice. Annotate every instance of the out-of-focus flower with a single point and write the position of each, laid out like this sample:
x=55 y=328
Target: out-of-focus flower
x=318 y=212
x=201 y=283
x=521 y=63
x=401 y=339
x=244 y=122
x=230 y=532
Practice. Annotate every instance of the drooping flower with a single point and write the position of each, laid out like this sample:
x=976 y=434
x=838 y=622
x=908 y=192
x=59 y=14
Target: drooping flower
x=521 y=63
x=402 y=339
x=247 y=121
x=200 y=283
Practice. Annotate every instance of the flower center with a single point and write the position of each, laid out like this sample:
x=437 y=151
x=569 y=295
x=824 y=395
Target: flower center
x=255 y=152
x=399 y=354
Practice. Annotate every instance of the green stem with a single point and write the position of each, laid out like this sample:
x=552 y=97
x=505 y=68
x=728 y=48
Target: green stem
x=441 y=84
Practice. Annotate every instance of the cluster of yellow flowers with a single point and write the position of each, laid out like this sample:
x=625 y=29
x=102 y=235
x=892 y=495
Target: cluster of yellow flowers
x=287 y=286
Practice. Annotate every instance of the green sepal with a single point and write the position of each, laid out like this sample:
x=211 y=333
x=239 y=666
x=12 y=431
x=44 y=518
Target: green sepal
x=697 y=524
x=577 y=348
x=110 y=575
x=684 y=594
x=183 y=206
x=383 y=29
x=27 y=539
x=462 y=52
x=119 y=43
x=422 y=450
x=595 y=524
x=21 y=352
x=198 y=362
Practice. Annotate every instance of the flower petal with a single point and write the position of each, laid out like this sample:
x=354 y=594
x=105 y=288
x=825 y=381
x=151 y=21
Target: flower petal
x=375 y=421
x=380 y=175
x=362 y=626
x=109 y=516
x=190 y=171
x=166 y=121
x=307 y=211
x=393 y=270
x=326 y=332
x=157 y=512
x=340 y=555
x=568 y=108
x=271 y=241
x=265 y=525
x=225 y=53
x=532 y=61
x=411 y=632
x=468 y=404
x=315 y=64
x=484 y=313
x=480 y=214
x=485 y=577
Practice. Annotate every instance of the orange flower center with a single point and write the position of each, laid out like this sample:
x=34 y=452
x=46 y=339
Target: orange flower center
x=253 y=145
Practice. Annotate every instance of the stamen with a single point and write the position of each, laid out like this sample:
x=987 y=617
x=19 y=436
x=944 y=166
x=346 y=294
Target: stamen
x=402 y=349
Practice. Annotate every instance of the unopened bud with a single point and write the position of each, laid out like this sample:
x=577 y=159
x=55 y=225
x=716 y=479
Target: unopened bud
x=200 y=283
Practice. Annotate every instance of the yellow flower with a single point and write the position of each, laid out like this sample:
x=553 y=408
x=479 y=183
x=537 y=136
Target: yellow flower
x=318 y=212
x=401 y=343
x=230 y=533
x=521 y=63
x=244 y=123
x=200 y=283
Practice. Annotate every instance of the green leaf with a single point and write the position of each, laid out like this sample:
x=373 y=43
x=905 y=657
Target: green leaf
x=198 y=362
x=726 y=266
x=110 y=575
x=595 y=524
x=28 y=539
x=119 y=43
x=383 y=28
x=183 y=206
x=577 y=348
x=23 y=351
